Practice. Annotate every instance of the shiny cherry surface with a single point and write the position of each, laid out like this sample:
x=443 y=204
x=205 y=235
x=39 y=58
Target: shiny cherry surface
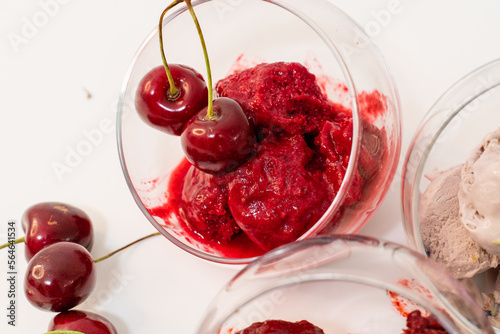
x=59 y=277
x=222 y=144
x=155 y=106
x=82 y=321
x=50 y=222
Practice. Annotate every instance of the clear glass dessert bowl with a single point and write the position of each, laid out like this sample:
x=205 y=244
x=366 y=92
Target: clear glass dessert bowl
x=343 y=284
x=348 y=68
x=453 y=128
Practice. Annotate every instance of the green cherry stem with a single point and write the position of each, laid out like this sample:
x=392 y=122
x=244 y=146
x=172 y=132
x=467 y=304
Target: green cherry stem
x=14 y=242
x=20 y=240
x=210 y=108
x=174 y=91
x=126 y=246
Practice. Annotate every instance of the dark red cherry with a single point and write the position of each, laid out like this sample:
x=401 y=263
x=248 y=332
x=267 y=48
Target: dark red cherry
x=82 y=321
x=50 y=222
x=59 y=277
x=162 y=111
x=221 y=144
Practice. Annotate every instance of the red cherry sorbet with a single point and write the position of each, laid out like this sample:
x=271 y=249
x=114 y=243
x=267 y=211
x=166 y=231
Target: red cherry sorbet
x=302 y=153
x=281 y=327
x=417 y=323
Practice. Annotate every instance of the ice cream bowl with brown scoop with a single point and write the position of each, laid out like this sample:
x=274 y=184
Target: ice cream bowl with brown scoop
x=450 y=185
x=343 y=284
x=314 y=152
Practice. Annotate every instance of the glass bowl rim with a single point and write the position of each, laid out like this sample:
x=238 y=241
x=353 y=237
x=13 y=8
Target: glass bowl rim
x=352 y=242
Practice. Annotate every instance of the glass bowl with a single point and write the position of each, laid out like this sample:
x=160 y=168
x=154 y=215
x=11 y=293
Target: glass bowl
x=348 y=68
x=450 y=130
x=343 y=284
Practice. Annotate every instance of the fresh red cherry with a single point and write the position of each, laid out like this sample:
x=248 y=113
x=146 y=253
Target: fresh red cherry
x=50 y=222
x=221 y=143
x=169 y=95
x=82 y=321
x=156 y=105
x=59 y=277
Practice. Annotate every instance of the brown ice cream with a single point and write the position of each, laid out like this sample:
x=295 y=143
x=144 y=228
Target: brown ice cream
x=444 y=237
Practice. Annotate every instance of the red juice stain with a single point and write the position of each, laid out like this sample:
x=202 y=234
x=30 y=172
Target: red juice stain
x=372 y=105
x=243 y=62
x=405 y=306
x=240 y=245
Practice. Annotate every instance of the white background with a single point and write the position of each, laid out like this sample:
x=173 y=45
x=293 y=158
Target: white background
x=64 y=79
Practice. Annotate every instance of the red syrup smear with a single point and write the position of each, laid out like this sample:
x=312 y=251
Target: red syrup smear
x=243 y=62
x=405 y=306
x=337 y=91
x=240 y=245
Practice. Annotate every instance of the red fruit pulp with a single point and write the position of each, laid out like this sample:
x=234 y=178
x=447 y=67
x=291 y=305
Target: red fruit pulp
x=281 y=327
x=50 y=222
x=162 y=112
x=82 y=321
x=417 y=323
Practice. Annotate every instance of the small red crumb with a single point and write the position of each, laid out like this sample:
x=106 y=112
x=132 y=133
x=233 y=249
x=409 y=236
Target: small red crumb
x=416 y=323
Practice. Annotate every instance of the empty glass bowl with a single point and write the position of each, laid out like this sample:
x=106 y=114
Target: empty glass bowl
x=343 y=284
x=347 y=65
x=451 y=129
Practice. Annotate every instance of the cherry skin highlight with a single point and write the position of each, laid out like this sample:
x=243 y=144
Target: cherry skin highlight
x=221 y=144
x=59 y=277
x=167 y=113
x=50 y=222
x=82 y=321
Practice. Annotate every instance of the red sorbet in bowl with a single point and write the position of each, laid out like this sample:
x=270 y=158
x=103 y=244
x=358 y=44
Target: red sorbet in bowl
x=302 y=153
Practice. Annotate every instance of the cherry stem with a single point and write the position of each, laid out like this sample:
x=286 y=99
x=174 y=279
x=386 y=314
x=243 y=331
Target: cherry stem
x=174 y=91
x=210 y=108
x=63 y=332
x=14 y=242
x=126 y=246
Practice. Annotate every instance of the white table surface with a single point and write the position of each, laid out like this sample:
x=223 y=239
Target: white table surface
x=62 y=79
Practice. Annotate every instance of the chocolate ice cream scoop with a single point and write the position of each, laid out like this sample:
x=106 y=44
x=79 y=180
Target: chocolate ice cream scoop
x=443 y=235
x=479 y=193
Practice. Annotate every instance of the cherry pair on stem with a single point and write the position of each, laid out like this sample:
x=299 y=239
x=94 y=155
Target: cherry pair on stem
x=216 y=135
x=61 y=271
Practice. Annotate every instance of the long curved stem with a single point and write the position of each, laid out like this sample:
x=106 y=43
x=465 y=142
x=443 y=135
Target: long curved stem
x=17 y=241
x=126 y=246
x=174 y=91
x=20 y=240
x=210 y=108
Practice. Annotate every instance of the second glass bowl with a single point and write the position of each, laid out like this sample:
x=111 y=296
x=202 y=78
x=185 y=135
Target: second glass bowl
x=451 y=129
x=343 y=284
x=348 y=68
